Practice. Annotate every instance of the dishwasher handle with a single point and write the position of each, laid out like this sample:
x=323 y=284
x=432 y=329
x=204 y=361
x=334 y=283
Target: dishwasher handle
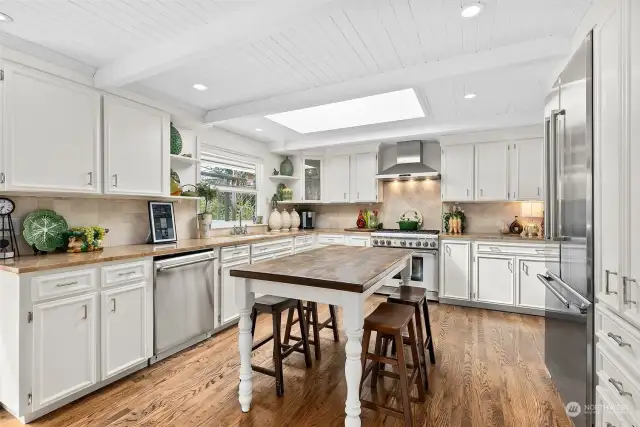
x=184 y=264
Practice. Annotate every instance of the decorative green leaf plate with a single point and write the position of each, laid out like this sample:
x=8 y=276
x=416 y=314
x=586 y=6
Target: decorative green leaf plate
x=176 y=141
x=45 y=229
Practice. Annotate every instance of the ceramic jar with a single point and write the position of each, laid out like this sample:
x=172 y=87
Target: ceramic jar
x=286 y=220
x=204 y=224
x=275 y=220
x=286 y=167
x=295 y=219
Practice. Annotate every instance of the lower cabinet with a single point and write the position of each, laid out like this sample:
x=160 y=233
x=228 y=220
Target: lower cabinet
x=229 y=312
x=65 y=334
x=358 y=240
x=455 y=275
x=494 y=279
x=124 y=328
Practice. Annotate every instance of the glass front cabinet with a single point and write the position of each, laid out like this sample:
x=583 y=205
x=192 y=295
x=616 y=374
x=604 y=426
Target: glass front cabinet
x=312 y=179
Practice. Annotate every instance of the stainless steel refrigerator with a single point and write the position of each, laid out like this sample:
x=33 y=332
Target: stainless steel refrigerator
x=569 y=333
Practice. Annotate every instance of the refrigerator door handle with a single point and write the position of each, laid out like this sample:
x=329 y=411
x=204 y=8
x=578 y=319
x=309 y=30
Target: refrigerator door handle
x=545 y=282
x=583 y=303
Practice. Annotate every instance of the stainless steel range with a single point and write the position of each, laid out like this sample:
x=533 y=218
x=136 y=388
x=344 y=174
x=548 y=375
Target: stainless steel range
x=424 y=265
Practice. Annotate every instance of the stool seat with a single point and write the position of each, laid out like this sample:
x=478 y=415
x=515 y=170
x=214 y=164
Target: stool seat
x=270 y=302
x=408 y=294
x=389 y=318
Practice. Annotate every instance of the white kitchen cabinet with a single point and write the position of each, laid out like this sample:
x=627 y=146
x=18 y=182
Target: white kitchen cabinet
x=136 y=148
x=337 y=179
x=457 y=173
x=64 y=348
x=494 y=279
x=228 y=286
x=455 y=271
x=124 y=328
x=530 y=292
x=526 y=164
x=312 y=179
x=492 y=171
x=364 y=185
x=358 y=240
x=52 y=137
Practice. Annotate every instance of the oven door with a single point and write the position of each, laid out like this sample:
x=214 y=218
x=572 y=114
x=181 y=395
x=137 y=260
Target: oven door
x=424 y=271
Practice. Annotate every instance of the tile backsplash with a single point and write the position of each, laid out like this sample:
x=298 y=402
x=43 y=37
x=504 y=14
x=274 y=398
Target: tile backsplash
x=126 y=219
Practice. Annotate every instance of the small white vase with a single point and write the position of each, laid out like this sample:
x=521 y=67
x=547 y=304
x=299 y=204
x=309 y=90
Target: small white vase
x=286 y=220
x=295 y=219
x=275 y=220
x=204 y=226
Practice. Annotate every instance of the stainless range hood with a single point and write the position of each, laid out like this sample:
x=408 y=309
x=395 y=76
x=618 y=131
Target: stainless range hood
x=409 y=164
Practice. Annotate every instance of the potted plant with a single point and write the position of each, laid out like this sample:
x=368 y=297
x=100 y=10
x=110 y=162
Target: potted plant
x=208 y=192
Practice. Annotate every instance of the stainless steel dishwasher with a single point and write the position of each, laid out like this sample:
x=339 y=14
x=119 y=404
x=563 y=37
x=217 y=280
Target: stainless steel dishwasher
x=184 y=301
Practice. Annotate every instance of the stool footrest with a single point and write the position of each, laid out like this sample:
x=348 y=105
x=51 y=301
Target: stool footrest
x=381 y=408
x=264 y=371
x=261 y=342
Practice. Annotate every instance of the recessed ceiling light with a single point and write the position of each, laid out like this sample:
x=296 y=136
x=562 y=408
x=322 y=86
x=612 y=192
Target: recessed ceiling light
x=259 y=130
x=200 y=86
x=383 y=108
x=471 y=10
x=469 y=95
x=5 y=18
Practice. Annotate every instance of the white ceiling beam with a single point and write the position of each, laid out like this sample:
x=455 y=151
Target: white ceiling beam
x=253 y=22
x=414 y=129
x=521 y=53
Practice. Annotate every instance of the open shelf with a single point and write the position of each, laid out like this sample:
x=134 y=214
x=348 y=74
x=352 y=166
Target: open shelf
x=283 y=178
x=183 y=160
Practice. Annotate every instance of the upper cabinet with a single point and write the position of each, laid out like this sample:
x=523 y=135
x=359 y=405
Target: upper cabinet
x=527 y=170
x=312 y=179
x=457 y=172
x=51 y=133
x=364 y=185
x=337 y=179
x=492 y=171
x=136 y=148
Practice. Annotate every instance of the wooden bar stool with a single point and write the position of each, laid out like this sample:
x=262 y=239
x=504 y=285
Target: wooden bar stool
x=417 y=298
x=311 y=310
x=390 y=320
x=275 y=306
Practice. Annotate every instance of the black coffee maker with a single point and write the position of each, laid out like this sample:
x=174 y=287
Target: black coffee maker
x=307 y=220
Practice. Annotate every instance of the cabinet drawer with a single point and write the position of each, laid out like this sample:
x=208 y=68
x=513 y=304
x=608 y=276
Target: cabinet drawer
x=623 y=340
x=608 y=412
x=331 y=239
x=488 y=248
x=280 y=245
x=234 y=253
x=301 y=241
x=621 y=385
x=67 y=283
x=123 y=273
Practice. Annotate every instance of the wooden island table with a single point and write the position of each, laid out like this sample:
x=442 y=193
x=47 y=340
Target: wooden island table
x=336 y=275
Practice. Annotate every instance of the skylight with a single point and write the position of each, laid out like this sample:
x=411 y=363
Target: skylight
x=383 y=108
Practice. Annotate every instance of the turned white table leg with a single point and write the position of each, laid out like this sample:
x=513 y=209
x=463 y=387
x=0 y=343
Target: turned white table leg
x=405 y=274
x=244 y=301
x=353 y=314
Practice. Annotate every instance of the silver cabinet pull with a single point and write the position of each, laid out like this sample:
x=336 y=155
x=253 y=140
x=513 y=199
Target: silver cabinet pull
x=510 y=266
x=525 y=267
x=358 y=195
x=494 y=249
x=542 y=251
x=128 y=273
x=618 y=340
x=345 y=196
x=618 y=385
x=90 y=178
x=607 y=273
x=2 y=178
x=448 y=249
x=115 y=179
x=86 y=311
x=467 y=192
x=538 y=191
x=626 y=301
x=481 y=192
x=608 y=424
x=113 y=305
x=62 y=285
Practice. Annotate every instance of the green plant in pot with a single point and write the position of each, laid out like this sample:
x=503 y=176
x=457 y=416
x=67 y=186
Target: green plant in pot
x=209 y=193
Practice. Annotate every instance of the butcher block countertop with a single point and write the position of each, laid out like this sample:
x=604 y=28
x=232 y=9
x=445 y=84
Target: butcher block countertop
x=345 y=268
x=30 y=264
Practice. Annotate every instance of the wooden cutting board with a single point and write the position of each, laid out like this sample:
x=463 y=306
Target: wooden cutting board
x=364 y=230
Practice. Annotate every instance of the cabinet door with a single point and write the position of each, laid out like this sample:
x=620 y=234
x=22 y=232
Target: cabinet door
x=124 y=328
x=52 y=136
x=457 y=173
x=312 y=177
x=363 y=174
x=358 y=241
x=492 y=161
x=338 y=179
x=64 y=348
x=136 y=148
x=227 y=287
x=530 y=291
x=454 y=279
x=607 y=158
x=527 y=170
x=494 y=279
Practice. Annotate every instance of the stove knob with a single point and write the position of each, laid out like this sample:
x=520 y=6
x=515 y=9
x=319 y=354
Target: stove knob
x=411 y=244
x=418 y=244
x=403 y=243
x=375 y=241
x=432 y=244
x=388 y=242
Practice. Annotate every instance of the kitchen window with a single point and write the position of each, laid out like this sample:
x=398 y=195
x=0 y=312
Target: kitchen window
x=237 y=182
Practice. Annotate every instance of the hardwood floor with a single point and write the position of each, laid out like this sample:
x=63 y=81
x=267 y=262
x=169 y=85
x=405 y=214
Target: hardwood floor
x=490 y=372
